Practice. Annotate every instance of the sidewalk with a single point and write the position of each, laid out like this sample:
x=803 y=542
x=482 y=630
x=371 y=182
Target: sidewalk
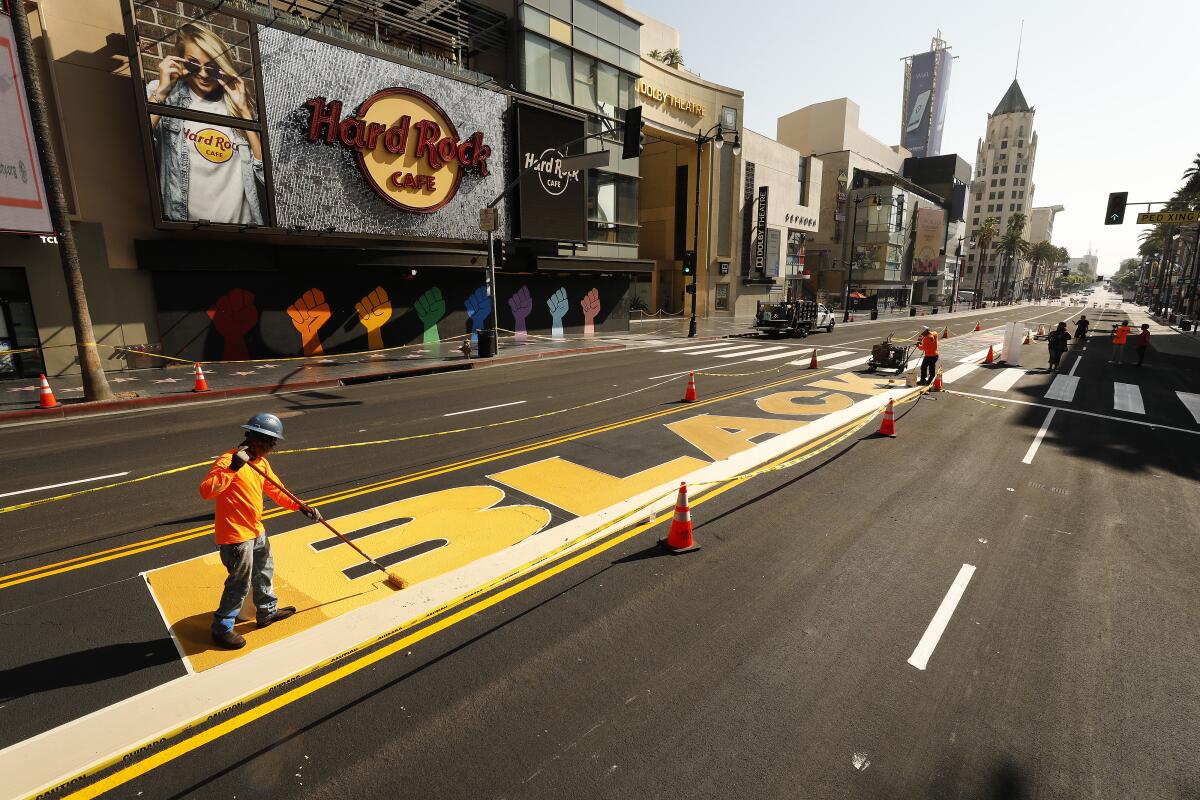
x=173 y=384
x=1165 y=339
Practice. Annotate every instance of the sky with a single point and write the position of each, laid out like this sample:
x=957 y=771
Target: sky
x=1114 y=85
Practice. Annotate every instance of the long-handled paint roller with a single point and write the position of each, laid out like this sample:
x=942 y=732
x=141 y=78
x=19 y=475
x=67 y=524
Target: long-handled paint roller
x=394 y=579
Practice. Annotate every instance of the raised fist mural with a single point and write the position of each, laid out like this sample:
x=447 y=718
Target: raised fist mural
x=373 y=311
x=234 y=315
x=521 y=303
x=309 y=313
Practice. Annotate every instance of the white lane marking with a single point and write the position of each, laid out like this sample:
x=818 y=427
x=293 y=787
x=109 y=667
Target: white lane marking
x=485 y=408
x=1062 y=389
x=1127 y=397
x=854 y=362
x=803 y=362
x=757 y=350
x=1037 y=440
x=68 y=483
x=1003 y=381
x=787 y=353
x=706 y=348
x=982 y=354
x=1192 y=401
x=1153 y=425
x=958 y=372
x=925 y=647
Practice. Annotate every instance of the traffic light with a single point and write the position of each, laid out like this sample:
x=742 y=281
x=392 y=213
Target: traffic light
x=634 y=137
x=689 y=262
x=1115 y=214
x=1066 y=273
x=498 y=255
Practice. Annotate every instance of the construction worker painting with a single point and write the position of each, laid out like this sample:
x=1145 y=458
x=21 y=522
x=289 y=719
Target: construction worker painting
x=237 y=485
x=1120 y=336
x=928 y=342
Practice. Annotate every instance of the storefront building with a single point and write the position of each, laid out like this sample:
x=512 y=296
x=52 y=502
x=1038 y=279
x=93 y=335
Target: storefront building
x=253 y=184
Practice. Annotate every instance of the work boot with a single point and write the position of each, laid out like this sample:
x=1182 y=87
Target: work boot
x=283 y=612
x=230 y=640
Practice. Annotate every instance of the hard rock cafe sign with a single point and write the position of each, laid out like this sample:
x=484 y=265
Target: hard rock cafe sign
x=407 y=148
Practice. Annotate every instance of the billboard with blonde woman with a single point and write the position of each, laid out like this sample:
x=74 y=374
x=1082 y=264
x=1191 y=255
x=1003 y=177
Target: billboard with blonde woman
x=198 y=72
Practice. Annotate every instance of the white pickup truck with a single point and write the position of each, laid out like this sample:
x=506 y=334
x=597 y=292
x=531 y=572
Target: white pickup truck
x=792 y=318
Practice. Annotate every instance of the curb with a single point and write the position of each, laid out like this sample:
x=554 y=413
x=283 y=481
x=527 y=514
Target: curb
x=71 y=410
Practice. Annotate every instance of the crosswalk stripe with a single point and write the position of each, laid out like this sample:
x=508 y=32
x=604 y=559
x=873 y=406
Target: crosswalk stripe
x=958 y=372
x=1063 y=388
x=706 y=348
x=1192 y=401
x=732 y=354
x=787 y=353
x=982 y=354
x=851 y=363
x=1127 y=397
x=803 y=362
x=1004 y=380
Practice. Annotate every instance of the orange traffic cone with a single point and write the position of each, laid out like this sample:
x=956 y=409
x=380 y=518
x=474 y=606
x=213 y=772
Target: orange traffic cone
x=978 y=327
x=888 y=426
x=812 y=362
x=201 y=384
x=991 y=356
x=946 y=332
x=45 y=396
x=689 y=396
x=680 y=540
x=1041 y=331
x=937 y=382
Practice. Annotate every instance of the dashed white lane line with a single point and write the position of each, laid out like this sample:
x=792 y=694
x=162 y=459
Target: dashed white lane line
x=1192 y=401
x=962 y=370
x=803 y=362
x=757 y=349
x=925 y=647
x=1127 y=397
x=1037 y=440
x=1004 y=380
x=67 y=483
x=710 y=347
x=787 y=353
x=485 y=408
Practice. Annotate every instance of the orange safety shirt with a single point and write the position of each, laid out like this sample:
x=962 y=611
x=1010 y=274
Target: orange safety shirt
x=239 y=497
x=929 y=344
x=1121 y=335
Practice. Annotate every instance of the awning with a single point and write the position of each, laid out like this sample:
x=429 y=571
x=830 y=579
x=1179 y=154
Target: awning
x=586 y=264
x=857 y=296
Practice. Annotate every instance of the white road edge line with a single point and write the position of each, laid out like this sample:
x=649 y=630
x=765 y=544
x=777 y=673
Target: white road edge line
x=1037 y=440
x=925 y=647
x=485 y=408
x=68 y=483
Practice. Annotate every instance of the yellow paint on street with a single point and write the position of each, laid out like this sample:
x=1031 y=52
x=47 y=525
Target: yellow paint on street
x=459 y=526
x=582 y=490
x=854 y=383
x=785 y=403
x=721 y=437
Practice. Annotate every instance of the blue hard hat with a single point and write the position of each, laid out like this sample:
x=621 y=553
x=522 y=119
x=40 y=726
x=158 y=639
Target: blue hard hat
x=266 y=424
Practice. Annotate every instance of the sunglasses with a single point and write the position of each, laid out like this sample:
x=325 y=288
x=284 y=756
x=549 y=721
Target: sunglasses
x=194 y=67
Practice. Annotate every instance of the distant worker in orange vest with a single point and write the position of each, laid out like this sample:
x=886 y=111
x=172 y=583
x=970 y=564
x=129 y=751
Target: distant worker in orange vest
x=929 y=346
x=1120 y=336
x=240 y=535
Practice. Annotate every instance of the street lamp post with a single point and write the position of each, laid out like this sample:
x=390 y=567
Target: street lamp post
x=716 y=134
x=957 y=273
x=979 y=278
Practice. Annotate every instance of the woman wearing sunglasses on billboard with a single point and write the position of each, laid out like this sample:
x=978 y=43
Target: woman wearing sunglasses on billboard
x=205 y=171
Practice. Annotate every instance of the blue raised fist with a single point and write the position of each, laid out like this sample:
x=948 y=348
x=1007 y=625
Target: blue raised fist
x=479 y=308
x=558 y=309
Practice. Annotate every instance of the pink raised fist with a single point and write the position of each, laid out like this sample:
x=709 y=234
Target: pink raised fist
x=234 y=315
x=309 y=313
x=591 y=307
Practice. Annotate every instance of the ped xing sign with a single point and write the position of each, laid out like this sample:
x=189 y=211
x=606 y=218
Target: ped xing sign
x=1168 y=217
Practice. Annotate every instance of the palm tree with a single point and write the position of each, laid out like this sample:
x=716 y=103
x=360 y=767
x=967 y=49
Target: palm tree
x=656 y=54
x=1041 y=255
x=1014 y=247
x=1191 y=176
x=983 y=240
x=673 y=58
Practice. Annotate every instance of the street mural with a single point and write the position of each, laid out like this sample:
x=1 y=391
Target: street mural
x=210 y=316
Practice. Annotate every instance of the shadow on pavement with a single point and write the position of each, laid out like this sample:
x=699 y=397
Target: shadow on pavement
x=87 y=666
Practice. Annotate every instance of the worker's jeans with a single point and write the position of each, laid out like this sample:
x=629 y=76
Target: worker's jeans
x=250 y=566
x=928 y=368
x=1118 y=353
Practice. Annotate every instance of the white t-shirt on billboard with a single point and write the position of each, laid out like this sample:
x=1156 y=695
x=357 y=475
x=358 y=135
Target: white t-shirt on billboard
x=215 y=188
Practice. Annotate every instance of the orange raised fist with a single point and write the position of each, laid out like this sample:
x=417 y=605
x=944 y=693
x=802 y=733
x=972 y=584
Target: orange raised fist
x=234 y=315
x=309 y=313
x=373 y=311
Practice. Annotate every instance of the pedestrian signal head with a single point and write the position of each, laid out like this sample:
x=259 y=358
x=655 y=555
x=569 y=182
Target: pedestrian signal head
x=265 y=424
x=633 y=137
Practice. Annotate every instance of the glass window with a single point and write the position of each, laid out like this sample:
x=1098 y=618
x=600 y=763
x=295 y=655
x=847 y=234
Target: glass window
x=585 y=15
x=603 y=205
x=542 y=4
x=631 y=61
x=585 y=42
x=725 y=202
x=585 y=82
x=560 y=9
x=608 y=24
x=535 y=20
x=560 y=73
x=627 y=200
x=607 y=91
x=560 y=30
x=631 y=35
x=608 y=51
x=626 y=97
x=537 y=65
x=801 y=181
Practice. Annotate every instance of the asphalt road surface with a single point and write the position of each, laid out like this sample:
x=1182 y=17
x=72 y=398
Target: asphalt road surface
x=999 y=602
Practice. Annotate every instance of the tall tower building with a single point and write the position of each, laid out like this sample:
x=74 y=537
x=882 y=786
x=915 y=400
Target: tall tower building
x=926 y=91
x=1003 y=186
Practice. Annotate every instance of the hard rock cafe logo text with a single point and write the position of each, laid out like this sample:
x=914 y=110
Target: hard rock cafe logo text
x=407 y=148
x=548 y=167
